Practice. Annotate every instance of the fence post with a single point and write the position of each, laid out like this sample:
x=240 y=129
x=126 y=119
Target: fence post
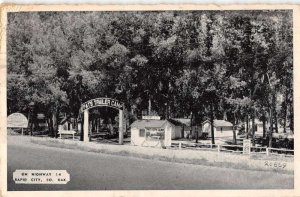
x=179 y=145
x=267 y=151
x=218 y=148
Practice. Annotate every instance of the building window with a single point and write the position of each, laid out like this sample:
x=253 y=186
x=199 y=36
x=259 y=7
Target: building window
x=148 y=132
x=161 y=134
x=142 y=132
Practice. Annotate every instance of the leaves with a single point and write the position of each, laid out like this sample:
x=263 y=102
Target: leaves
x=182 y=60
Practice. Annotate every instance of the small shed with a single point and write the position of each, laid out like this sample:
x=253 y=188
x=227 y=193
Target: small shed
x=186 y=131
x=67 y=124
x=222 y=128
x=154 y=132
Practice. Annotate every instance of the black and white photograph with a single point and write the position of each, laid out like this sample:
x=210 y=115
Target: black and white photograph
x=175 y=99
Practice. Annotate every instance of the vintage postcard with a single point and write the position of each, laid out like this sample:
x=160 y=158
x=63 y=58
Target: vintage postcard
x=137 y=100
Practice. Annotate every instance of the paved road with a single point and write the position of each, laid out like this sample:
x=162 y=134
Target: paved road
x=94 y=171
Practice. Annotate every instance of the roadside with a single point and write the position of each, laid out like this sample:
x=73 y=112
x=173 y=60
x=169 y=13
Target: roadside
x=198 y=157
x=96 y=171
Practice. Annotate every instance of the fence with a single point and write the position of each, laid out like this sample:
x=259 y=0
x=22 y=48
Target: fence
x=233 y=148
x=194 y=146
x=289 y=153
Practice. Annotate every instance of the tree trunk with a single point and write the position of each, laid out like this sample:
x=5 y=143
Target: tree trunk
x=81 y=127
x=50 y=126
x=110 y=126
x=224 y=115
x=55 y=118
x=247 y=127
x=284 y=122
x=253 y=126
x=75 y=124
x=199 y=129
x=31 y=124
x=57 y=123
x=264 y=126
x=212 y=123
x=276 y=121
x=291 y=117
x=271 y=128
x=285 y=111
x=149 y=106
x=234 y=135
x=234 y=128
x=35 y=123
x=197 y=133
x=169 y=111
x=53 y=123
x=191 y=124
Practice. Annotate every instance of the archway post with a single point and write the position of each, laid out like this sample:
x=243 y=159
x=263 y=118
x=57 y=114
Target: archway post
x=121 y=133
x=86 y=125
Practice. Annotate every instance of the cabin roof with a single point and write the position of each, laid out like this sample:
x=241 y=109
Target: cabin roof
x=141 y=124
x=220 y=123
x=183 y=121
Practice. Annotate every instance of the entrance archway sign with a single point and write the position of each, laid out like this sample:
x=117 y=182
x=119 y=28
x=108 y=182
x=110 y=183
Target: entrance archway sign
x=102 y=102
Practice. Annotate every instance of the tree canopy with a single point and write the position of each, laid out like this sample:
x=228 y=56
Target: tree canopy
x=234 y=65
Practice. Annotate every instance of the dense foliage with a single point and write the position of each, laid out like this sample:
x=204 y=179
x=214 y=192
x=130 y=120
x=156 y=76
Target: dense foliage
x=234 y=65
